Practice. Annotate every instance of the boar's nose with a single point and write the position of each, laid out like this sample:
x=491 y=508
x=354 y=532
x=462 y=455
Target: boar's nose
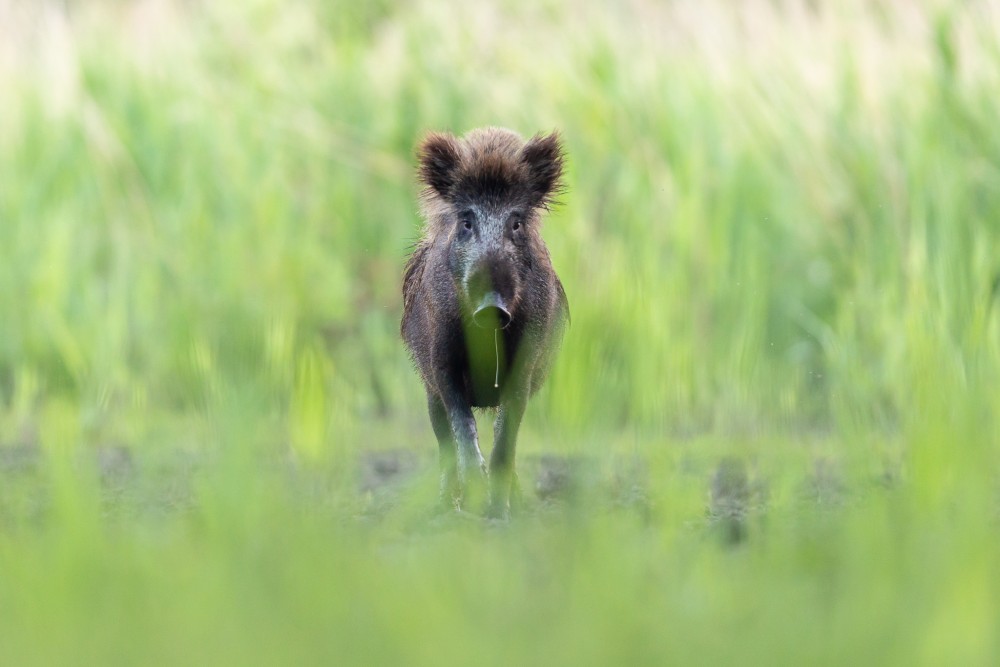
x=492 y=312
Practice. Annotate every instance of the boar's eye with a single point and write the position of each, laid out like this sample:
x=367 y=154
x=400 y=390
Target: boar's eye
x=465 y=217
x=516 y=222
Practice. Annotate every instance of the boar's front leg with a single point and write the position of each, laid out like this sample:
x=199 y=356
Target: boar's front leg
x=449 y=494
x=469 y=463
x=502 y=474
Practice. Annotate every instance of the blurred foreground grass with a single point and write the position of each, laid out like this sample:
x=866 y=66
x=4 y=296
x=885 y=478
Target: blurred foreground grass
x=781 y=245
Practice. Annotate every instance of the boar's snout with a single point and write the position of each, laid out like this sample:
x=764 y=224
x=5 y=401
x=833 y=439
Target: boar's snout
x=492 y=312
x=491 y=292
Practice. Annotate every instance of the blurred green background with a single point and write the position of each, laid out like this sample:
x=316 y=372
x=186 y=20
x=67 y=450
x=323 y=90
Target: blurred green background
x=781 y=247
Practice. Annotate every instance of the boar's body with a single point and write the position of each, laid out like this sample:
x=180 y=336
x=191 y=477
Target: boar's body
x=483 y=309
x=446 y=345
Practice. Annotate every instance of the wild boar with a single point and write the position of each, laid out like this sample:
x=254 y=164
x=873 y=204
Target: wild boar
x=483 y=309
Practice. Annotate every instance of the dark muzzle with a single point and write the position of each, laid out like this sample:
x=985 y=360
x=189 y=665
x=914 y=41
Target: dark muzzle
x=492 y=312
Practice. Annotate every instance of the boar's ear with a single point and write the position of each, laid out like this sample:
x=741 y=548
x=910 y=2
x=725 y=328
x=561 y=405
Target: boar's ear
x=439 y=156
x=543 y=156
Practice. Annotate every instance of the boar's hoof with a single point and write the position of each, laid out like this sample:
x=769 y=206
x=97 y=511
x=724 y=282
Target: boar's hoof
x=473 y=485
x=499 y=510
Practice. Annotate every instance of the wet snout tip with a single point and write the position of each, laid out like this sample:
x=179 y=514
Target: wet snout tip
x=492 y=313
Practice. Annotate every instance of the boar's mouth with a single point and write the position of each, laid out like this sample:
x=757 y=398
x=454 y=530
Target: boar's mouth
x=492 y=312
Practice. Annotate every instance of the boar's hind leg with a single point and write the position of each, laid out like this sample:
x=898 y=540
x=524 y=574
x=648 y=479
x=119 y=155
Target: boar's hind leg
x=446 y=451
x=502 y=459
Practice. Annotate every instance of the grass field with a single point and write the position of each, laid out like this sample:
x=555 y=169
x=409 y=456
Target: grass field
x=772 y=435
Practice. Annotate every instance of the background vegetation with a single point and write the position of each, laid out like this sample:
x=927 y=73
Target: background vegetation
x=781 y=246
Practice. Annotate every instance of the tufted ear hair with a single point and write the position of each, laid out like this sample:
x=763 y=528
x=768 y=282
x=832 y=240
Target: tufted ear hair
x=439 y=155
x=543 y=155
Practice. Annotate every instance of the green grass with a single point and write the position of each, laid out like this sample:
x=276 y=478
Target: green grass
x=780 y=242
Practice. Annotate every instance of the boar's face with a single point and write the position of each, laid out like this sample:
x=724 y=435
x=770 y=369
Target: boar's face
x=483 y=197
